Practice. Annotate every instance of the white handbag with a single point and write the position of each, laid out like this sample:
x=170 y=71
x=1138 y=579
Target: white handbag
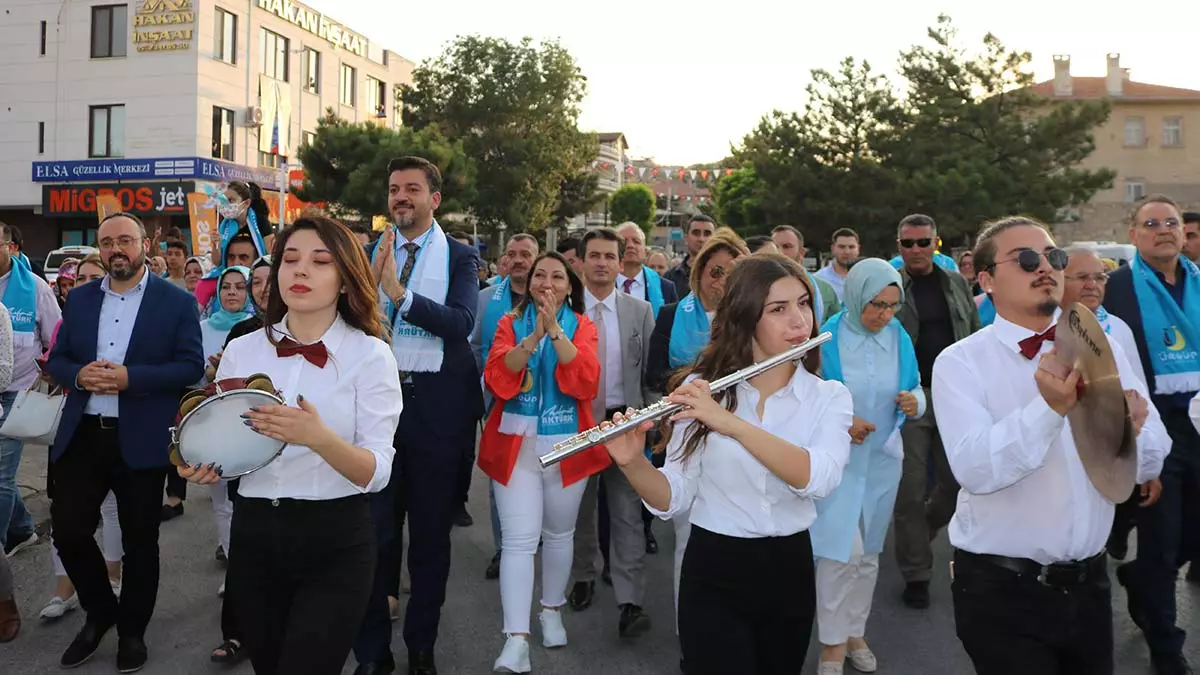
x=35 y=414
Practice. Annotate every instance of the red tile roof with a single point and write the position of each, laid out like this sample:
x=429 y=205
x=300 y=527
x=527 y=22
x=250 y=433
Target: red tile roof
x=1096 y=88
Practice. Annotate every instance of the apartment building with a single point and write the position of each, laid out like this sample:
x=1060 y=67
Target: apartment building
x=1151 y=139
x=150 y=99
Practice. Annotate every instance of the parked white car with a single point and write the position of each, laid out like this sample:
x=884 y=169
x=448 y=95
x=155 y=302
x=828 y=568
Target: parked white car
x=55 y=258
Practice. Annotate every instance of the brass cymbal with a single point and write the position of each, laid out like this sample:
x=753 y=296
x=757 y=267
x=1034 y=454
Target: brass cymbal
x=1101 y=423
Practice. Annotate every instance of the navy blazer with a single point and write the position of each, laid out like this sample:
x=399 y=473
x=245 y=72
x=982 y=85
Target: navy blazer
x=1121 y=301
x=449 y=401
x=669 y=293
x=165 y=356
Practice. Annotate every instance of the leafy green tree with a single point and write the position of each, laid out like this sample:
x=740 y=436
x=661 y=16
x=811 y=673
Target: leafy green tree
x=516 y=108
x=633 y=202
x=578 y=194
x=738 y=202
x=346 y=166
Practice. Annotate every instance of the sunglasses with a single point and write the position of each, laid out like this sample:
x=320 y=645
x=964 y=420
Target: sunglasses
x=1155 y=223
x=924 y=242
x=717 y=272
x=1030 y=260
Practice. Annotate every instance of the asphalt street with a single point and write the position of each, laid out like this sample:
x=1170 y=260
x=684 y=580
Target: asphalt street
x=186 y=622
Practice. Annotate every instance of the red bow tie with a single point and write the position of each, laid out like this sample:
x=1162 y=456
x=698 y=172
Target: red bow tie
x=315 y=353
x=1032 y=345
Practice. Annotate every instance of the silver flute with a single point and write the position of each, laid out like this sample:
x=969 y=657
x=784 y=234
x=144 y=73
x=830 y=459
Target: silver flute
x=597 y=435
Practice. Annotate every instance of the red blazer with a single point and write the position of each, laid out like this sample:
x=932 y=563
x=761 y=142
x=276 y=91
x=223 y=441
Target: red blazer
x=579 y=379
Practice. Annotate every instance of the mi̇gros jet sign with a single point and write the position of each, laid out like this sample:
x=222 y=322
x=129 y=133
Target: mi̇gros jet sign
x=164 y=25
x=317 y=24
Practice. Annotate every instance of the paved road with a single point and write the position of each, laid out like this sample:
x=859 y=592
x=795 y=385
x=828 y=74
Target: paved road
x=186 y=621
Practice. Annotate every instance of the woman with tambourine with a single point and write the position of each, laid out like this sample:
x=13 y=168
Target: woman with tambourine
x=302 y=527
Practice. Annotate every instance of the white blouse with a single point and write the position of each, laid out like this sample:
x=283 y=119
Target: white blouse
x=357 y=395
x=730 y=492
x=1025 y=493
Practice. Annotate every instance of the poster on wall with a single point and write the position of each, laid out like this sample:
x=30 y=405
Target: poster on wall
x=202 y=212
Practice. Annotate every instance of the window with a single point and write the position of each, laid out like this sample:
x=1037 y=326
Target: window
x=348 y=83
x=41 y=138
x=1134 y=191
x=225 y=32
x=274 y=48
x=1172 y=132
x=1135 y=132
x=106 y=131
x=222 y=133
x=309 y=137
x=42 y=50
x=273 y=161
x=376 y=98
x=312 y=71
x=110 y=31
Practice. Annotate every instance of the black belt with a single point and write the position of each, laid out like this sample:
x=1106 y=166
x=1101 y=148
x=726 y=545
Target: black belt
x=1057 y=575
x=101 y=421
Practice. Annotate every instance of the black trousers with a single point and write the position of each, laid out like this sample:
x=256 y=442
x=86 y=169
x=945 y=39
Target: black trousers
x=374 y=641
x=466 y=469
x=176 y=486
x=1011 y=623
x=746 y=605
x=230 y=628
x=1168 y=535
x=300 y=576
x=90 y=467
x=425 y=482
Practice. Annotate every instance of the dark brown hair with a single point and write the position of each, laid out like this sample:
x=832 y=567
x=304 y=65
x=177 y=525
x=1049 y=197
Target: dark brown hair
x=731 y=333
x=602 y=233
x=432 y=175
x=843 y=232
x=720 y=241
x=574 y=296
x=359 y=305
x=984 y=255
x=1151 y=199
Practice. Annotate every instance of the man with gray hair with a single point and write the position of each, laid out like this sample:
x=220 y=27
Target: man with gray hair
x=636 y=278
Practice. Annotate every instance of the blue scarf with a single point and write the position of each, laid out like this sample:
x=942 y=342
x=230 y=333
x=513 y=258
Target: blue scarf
x=653 y=290
x=541 y=409
x=228 y=230
x=689 y=332
x=940 y=259
x=831 y=362
x=987 y=312
x=415 y=348
x=499 y=305
x=818 y=302
x=1171 y=336
x=224 y=320
x=1102 y=319
x=20 y=298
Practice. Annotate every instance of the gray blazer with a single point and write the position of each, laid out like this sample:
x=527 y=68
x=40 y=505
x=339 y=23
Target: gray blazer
x=635 y=321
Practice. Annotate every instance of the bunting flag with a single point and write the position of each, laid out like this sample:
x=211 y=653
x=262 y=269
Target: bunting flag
x=664 y=173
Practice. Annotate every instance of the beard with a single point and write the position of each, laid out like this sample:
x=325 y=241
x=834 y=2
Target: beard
x=1046 y=308
x=128 y=271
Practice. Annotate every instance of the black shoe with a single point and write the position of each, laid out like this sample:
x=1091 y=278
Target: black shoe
x=916 y=594
x=131 y=654
x=1193 y=573
x=85 y=644
x=169 y=512
x=606 y=576
x=382 y=667
x=651 y=542
x=421 y=663
x=493 y=568
x=463 y=519
x=1125 y=578
x=580 y=597
x=1170 y=665
x=633 y=621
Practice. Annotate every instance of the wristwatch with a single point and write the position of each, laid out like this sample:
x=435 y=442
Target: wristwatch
x=554 y=338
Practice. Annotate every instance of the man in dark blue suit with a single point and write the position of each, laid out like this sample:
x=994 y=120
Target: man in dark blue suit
x=128 y=347
x=428 y=292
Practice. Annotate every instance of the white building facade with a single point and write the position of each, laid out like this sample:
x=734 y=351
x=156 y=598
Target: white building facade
x=148 y=98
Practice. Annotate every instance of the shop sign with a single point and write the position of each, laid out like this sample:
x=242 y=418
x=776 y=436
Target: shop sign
x=318 y=24
x=143 y=199
x=164 y=25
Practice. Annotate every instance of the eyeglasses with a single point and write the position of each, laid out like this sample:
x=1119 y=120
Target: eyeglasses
x=123 y=241
x=1101 y=278
x=717 y=272
x=1030 y=260
x=1155 y=223
x=924 y=242
x=884 y=306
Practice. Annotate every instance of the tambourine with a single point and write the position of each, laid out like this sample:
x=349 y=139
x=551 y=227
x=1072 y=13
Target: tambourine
x=209 y=428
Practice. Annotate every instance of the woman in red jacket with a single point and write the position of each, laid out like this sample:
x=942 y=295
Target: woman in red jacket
x=544 y=373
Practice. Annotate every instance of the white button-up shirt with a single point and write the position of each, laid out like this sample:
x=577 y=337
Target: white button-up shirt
x=357 y=395
x=1025 y=493
x=610 y=360
x=730 y=492
x=638 y=288
x=118 y=312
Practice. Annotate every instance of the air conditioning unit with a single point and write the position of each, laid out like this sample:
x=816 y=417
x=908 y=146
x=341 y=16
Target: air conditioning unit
x=253 y=117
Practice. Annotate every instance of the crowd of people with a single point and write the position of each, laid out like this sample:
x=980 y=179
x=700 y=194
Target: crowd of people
x=404 y=363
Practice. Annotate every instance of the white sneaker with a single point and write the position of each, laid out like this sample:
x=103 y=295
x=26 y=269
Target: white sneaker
x=863 y=660
x=514 y=658
x=554 y=634
x=26 y=543
x=830 y=668
x=57 y=607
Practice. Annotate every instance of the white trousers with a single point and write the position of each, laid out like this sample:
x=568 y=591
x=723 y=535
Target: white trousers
x=535 y=504
x=683 y=530
x=222 y=512
x=110 y=536
x=844 y=593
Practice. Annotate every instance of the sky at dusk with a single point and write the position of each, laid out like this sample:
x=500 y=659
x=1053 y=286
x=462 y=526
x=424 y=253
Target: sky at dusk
x=683 y=80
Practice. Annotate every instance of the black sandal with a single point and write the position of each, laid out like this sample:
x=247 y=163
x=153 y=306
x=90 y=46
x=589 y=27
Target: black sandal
x=234 y=653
